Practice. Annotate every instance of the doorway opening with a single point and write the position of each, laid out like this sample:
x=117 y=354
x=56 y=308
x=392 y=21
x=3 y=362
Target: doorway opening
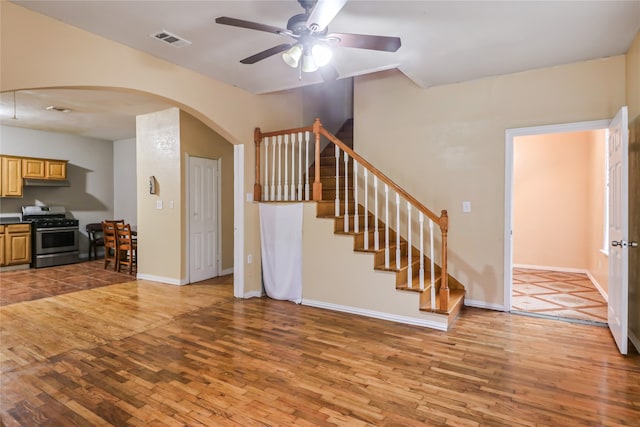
x=556 y=263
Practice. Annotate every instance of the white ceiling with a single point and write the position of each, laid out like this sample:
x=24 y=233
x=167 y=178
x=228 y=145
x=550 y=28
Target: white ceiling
x=442 y=41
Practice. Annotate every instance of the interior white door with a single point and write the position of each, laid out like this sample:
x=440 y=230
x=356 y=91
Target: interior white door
x=203 y=221
x=619 y=228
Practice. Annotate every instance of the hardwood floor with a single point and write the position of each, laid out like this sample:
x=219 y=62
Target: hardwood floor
x=145 y=354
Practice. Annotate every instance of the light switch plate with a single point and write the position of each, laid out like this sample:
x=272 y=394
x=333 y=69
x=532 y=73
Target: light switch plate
x=158 y=204
x=466 y=206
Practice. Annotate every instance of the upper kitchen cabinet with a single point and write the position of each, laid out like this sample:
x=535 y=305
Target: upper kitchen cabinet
x=32 y=168
x=11 y=177
x=55 y=169
x=44 y=168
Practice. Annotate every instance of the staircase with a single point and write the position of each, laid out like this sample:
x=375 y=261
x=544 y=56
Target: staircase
x=393 y=253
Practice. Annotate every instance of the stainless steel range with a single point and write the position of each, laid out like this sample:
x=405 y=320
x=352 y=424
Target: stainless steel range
x=54 y=238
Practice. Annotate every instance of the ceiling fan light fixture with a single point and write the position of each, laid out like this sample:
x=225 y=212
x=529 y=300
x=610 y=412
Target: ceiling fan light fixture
x=292 y=56
x=308 y=63
x=321 y=54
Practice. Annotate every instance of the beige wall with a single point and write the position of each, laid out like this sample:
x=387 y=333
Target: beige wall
x=158 y=154
x=197 y=140
x=551 y=200
x=558 y=202
x=598 y=261
x=455 y=136
x=40 y=52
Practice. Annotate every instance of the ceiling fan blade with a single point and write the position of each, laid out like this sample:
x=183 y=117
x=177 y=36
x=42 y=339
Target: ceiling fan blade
x=364 y=41
x=323 y=13
x=266 y=53
x=328 y=73
x=250 y=25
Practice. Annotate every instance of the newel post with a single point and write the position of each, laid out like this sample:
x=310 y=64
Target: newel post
x=444 y=280
x=317 y=185
x=257 y=188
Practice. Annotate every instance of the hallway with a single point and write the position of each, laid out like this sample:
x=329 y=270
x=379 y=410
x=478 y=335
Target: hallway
x=558 y=294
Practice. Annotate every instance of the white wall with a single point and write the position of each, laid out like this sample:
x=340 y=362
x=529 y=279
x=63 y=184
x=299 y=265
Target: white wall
x=125 y=193
x=90 y=172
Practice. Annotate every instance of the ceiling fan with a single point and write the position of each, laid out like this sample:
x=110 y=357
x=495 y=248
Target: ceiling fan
x=312 y=46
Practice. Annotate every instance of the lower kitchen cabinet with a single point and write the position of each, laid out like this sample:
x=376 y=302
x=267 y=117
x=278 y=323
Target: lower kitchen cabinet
x=16 y=244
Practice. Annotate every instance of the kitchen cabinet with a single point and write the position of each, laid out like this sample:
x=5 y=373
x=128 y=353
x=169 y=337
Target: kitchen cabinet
x=44 y=168
x=17 y=244
x=11 y=176
x=33 y=168
x=1 y=245
x=55 y=169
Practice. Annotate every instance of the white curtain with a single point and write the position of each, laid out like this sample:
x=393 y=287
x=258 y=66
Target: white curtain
x=281 y=248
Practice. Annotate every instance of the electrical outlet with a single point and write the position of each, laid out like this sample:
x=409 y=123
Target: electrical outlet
x=466 y=206
x=158 y=204
x=249 y=259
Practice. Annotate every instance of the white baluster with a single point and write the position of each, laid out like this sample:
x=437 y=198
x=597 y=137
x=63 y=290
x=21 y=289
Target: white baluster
x=286 y=167
x=421 y=220
x=386 y=226
x=337 y=209
x=366 y=209
x=409 y=267
x=376 y=233
x=273 y=168
x=293 y=167
x=346 y=192
x=356 y=220
x=300 y=166
x=398 y=231
x=279 y=168
x=432 y=265
x=306 y=183
x=266 y=170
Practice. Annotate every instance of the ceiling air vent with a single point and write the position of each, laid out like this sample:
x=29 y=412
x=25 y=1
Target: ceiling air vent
x=170 y=38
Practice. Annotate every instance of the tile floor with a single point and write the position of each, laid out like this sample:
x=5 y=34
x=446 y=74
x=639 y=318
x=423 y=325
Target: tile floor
x=36 y=283
x=556 y=294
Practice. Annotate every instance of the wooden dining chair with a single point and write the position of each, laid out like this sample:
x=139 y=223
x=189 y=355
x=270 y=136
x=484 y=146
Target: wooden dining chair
x=94 y=233
x=110 y=244
x=127 y=248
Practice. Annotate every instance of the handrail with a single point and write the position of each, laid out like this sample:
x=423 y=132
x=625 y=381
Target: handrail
x=317 y=129
x=380 y=175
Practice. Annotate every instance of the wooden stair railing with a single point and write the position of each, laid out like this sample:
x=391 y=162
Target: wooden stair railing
x=291 y=188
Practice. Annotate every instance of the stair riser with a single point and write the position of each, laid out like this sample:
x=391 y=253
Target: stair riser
x=339 y=223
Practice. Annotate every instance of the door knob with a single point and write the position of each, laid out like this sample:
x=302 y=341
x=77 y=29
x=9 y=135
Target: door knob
x=624 y=244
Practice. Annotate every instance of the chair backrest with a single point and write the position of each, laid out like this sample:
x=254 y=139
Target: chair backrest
x=93 y=228
x=109 y=232
x=124 y=237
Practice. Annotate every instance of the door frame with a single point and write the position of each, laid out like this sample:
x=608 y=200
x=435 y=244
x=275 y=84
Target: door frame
x=510 y=135
x=238 y=221
x=218 y=224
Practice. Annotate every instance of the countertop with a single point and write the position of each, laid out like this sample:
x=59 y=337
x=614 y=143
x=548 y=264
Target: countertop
x=12 y=220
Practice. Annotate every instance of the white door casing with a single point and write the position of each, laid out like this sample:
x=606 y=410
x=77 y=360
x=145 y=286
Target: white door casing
x=203 y=219
x=619 y=229
x=510 y=135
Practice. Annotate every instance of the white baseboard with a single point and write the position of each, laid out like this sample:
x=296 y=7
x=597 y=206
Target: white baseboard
x=226 y=271
x=160 y=279
x=567 y=270
x=376 y=314
x=549 y=268
x=598 y=287
x=634 y=340
x=484 y=304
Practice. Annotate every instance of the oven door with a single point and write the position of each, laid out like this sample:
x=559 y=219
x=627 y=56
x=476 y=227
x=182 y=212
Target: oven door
x=54 y=240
